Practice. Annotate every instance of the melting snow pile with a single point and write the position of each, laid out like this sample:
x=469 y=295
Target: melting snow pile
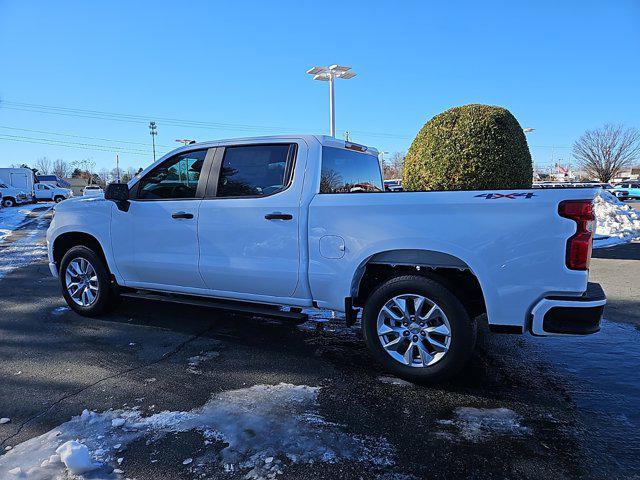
x=12 y=218
x=478 y=424
x=258 y=432
x=616 y=222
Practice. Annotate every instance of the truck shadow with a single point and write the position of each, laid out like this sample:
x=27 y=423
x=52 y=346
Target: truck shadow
x=628 y=251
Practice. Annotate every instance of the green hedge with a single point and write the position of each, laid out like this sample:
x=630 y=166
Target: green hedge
x=473 y=147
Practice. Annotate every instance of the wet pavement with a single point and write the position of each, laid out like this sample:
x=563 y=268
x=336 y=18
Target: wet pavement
x=524 y=408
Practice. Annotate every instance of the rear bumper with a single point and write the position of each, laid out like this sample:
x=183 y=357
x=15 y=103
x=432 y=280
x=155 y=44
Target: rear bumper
x=569 y=315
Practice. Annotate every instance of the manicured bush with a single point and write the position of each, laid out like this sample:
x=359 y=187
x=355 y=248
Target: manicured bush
x=473 y=147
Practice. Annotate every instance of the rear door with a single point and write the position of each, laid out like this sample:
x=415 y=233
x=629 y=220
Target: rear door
x=248 y=222
x=155 y=242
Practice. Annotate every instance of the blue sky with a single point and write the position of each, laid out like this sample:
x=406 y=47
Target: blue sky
x=560 y=67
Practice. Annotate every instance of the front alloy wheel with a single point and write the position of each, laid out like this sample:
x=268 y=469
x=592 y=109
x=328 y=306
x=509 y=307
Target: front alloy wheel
x=85 y=282
x=81 y=282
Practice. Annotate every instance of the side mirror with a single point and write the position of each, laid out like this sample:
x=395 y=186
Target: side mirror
x=118 y=192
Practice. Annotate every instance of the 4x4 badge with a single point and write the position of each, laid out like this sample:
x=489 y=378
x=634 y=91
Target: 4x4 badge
x=512 y=196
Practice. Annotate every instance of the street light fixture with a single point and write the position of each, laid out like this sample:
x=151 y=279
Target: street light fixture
x=328 y=74
x=185 y=141
x=528 y=130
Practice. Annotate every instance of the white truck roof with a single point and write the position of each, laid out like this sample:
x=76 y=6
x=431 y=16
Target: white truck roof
x=324 y=140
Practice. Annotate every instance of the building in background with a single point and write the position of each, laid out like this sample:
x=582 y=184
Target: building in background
x=77 y=184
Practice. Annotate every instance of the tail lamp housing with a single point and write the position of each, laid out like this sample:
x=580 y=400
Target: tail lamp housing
x=580 y=243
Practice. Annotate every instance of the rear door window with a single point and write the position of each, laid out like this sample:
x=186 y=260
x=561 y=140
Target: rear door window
x=348 y=171
x=255 y=170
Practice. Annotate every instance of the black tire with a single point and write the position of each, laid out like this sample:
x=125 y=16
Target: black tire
x=8 y=202
x=105 y=296
x=58 y=199
x=463 y=329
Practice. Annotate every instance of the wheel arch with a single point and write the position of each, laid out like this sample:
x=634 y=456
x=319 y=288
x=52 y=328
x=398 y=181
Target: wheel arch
x=450 y=270
x=66 y=241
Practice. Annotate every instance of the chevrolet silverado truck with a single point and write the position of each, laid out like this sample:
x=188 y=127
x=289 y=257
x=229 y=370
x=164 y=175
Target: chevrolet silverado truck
x=270 y=226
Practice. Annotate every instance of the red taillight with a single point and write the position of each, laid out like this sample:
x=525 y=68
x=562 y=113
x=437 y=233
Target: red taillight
x=579 y=245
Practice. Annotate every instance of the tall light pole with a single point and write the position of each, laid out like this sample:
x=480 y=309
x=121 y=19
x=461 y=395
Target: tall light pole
x=329 y=74
x=153 y=131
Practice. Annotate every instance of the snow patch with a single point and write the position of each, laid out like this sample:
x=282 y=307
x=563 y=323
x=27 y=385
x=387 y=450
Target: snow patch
x=59 y=311
x=75 y=457
x=22 y=252
x=264 y=428
x=14 y=217
x=321 y=320
x=197 y=360
x=4 y=420
x=395 y=381
x=616 y=223
x=479 y=424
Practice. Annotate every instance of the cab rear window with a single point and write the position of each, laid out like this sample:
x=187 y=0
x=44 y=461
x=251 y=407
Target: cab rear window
x=348 y=171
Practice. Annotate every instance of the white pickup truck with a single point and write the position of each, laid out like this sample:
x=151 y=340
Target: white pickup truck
x=269 y=226
x=45 y=191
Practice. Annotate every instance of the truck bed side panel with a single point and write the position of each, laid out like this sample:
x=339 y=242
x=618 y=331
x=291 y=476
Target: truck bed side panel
x=514 y=244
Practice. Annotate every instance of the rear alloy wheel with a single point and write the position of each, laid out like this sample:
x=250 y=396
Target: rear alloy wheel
x=85 y=282
x=8 y=202
x=414 y=330
x=58 y=199
x=418 y=329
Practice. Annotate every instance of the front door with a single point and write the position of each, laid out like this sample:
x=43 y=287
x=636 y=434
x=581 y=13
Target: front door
x=249 y=219
x=42 y=191
x=155 y=242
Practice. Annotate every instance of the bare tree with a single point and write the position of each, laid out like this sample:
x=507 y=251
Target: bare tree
x=393 y=167
x=104 y=176
x=61 y=168
x=87 y=167
x=604 y=152
x=129 y=174
x=43 y=164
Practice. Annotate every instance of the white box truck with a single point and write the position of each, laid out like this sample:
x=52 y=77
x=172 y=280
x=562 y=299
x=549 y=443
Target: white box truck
x=21 y=178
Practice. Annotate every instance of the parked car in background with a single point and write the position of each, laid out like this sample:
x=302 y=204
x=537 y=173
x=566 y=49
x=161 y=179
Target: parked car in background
x=51 y=193
x=627 y=190
x=12 y=196
x=393 y=185
x=21 y=178
x=92 y=191
x=272 y=225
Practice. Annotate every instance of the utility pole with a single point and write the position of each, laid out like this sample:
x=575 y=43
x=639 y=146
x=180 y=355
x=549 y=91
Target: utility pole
x=117 y=168
x=153 y=131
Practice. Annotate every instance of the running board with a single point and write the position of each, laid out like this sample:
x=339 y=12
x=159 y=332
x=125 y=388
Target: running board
x=257 y=309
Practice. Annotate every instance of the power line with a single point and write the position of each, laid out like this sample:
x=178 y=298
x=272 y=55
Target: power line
x=70 y=135
x=82 y=146
x=131 y=118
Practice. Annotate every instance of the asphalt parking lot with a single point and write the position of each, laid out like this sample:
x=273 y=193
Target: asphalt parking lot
x=307 y=401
